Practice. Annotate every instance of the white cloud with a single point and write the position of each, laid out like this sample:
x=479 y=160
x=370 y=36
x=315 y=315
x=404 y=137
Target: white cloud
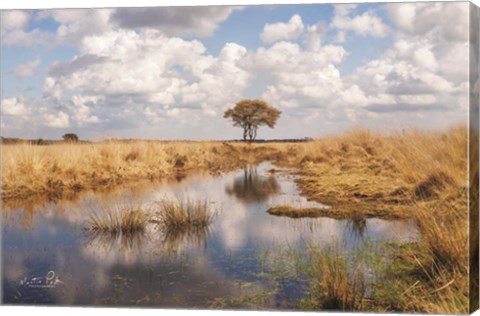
x=366 y=24
x=35 y=37
x=73 y=26
x=149 y=74
x=14 y=106
x=314 y=35
x=202 y=21
x=282 y=31
x=82 y=109
x=426 y=68
x=298 y=77
x=173 y=21
x=14 y=20
x=13 y=31
x=403 y=14
x=131 y=72
x=28 y=69
x=410 y=73
x=442 y=20
x=57 y=120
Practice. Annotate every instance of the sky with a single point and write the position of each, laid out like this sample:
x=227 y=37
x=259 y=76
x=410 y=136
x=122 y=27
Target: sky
x=171 y=72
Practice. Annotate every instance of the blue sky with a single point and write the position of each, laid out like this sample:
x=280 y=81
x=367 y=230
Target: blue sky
x=170 y=73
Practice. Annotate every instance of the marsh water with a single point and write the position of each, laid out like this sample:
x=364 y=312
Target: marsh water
x=50 y=258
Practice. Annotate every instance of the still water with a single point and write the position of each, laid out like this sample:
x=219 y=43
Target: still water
x=49 y=258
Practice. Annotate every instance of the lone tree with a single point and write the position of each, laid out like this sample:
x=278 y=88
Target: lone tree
x=250 y=114
x=70 y=137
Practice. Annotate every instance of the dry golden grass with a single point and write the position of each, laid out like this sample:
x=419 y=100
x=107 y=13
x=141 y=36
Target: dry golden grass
x=418 y=174
x=126 y=220
x=62 y=169
x=297 y=212
x=426 y=173
x=363 y=166
x=183 y=214
x=340 y=282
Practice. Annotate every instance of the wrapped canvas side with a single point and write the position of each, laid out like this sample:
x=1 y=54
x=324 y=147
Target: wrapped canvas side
x=473 y=165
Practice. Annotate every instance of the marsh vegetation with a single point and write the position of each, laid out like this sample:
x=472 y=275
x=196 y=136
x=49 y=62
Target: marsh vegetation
x=123 y=220
x=360 y=179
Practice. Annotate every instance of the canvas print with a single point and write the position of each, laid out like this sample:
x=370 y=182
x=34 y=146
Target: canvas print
x=303 y=157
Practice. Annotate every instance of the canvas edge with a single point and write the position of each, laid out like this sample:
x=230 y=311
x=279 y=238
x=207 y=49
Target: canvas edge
x=474 y=51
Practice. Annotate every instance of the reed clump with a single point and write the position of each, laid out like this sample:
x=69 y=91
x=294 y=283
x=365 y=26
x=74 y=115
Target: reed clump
x=339 y=281
x=126 y=220
x=184 y=215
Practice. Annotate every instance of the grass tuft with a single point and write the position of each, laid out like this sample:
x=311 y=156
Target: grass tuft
x=339 y=280
x=296 y=212
x=127 y=220
x=180 y=215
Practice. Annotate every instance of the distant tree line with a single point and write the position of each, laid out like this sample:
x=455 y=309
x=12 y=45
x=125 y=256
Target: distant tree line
x=69 y=137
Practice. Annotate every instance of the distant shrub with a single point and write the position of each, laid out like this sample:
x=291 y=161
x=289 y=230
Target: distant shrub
x=70 y=137
x=39 y=141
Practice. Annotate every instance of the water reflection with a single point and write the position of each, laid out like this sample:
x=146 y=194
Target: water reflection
x=184 y=268
x=105 y=241
x=252 y=187
x=357 y=227
x=195 y=236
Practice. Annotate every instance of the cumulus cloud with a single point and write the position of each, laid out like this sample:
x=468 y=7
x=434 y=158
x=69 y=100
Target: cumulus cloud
x=314 y=35
x=174 y=21
x=417 y=74
x=14 y=20
x=14 y=29
x=30 y=39
x=298 y=77
x=441 y=20
x=73 y=25
x=149 y=74
x=57 y=120
x=130 y=72
x=14 y=106
x=82 y=109
x=365 y=24
x=28 y=69
x=282 y=31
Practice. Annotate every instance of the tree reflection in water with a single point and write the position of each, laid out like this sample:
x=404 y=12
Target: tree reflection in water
x=252 y=187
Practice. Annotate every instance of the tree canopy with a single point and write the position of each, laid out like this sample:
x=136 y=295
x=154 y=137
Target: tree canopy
x=70 y=137
x=250 y=114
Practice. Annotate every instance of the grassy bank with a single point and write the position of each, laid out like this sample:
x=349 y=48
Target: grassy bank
x=62 y=169
x=359 y=174
x=375 y=172
x=358 y=169
x=421 y=175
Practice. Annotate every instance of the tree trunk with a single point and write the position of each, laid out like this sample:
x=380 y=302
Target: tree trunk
x=250 y=133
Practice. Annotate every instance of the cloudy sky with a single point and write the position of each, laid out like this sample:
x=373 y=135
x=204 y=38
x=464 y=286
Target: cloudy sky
x=170 y=73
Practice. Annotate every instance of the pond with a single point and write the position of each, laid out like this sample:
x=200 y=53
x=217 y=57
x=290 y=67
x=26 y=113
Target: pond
x=49 y=258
